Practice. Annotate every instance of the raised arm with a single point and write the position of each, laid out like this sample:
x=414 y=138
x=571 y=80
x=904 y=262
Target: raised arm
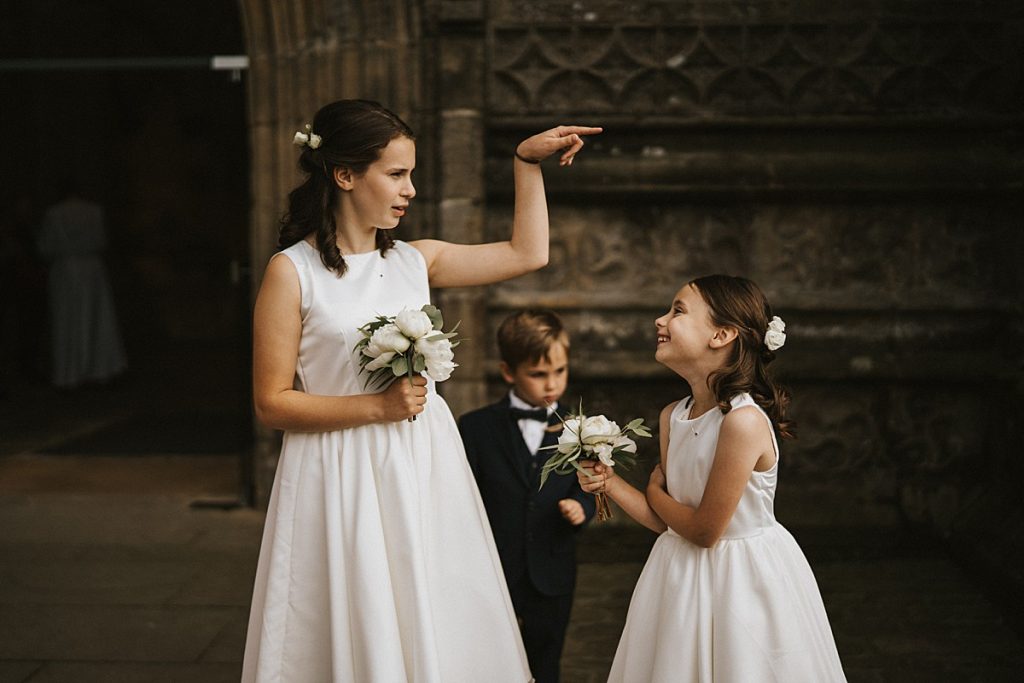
x=744 y=443
x=277 y=329
x=461 y=265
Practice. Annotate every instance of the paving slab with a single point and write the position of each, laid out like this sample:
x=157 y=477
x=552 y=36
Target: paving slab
x=109 y=632
x=143 y=588
x=119 y=672
x=18 y=672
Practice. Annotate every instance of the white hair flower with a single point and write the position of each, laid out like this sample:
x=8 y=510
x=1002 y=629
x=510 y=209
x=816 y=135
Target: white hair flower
x=309 y=138
x=775 y=337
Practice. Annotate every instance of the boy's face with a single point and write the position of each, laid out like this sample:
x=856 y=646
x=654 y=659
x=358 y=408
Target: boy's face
x=543 y=382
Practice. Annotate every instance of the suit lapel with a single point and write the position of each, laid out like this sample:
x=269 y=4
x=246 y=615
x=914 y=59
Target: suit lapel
x=511 y=443
x=550 y=439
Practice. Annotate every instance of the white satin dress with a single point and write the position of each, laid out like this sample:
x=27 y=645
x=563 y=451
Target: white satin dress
x=377 y=562
x=746 y=610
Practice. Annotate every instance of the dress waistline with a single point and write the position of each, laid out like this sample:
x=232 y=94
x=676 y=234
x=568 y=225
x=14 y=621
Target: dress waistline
x=754 y=533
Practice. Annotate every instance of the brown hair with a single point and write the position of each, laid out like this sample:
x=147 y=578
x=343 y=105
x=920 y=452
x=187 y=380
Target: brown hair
x=738 y=303
x=527 y=336
x=353 y=133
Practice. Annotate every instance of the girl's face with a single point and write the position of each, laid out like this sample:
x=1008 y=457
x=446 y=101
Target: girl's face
x=380 y=196
x=685 y=333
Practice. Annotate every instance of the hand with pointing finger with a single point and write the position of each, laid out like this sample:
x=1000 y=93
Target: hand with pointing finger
x=565 y=139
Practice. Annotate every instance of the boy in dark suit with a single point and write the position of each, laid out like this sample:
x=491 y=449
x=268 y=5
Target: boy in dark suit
x=535 y=530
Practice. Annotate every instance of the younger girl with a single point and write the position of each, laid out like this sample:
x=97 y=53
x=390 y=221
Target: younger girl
x=726 y=594
x=377 y=561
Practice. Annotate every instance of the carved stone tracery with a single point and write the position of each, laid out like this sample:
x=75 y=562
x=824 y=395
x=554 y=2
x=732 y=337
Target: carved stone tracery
x=795 y=67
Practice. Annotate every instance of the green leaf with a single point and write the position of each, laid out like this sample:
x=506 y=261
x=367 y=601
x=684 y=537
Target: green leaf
x=434 y=313
x=399 y=366
x=419 y=363
x=439 y=336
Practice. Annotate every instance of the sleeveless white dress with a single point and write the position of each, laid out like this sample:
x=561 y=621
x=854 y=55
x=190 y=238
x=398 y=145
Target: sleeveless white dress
x=748 y=609
x=377 y=562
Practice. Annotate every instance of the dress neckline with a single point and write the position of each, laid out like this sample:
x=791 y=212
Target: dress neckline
x=684 y=415
x=345 y=256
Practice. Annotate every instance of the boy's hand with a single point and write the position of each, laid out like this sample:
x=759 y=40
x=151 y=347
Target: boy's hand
x=572 y=511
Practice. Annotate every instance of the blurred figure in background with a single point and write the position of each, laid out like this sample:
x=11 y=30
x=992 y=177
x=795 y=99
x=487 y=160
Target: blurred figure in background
x=85 y=342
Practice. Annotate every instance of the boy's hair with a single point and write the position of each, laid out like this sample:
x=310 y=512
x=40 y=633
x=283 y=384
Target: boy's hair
x=739 y=303
x=527 y=336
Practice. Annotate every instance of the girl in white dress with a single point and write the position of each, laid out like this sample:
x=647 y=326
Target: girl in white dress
x=726 y=595
x=377 y=562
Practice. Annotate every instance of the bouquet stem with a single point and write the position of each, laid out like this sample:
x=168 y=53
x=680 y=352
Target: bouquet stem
x=604 y=510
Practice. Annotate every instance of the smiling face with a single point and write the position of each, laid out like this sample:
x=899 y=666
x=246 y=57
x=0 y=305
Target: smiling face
x=543 y=382
x=379 y=197
x=686 y=333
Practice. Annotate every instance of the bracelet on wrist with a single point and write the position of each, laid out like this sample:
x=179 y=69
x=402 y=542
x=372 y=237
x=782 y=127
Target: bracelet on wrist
x=524 y=159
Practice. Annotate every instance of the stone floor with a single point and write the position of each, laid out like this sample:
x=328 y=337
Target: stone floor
x=121 y=567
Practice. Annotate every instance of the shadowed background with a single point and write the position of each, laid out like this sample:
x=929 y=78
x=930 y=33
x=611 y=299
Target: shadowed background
x=860 y=162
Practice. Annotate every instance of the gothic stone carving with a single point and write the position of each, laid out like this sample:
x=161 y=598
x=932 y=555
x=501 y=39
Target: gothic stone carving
x=697 y=64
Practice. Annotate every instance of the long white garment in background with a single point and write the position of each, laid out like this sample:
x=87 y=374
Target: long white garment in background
x=85 y=341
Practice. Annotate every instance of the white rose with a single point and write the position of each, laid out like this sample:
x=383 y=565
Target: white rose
x=569 y=439
x=598 y=428
x=439 y=358
x=380 y=361
x=439 y=371
x=389 y=338
x=603 y=451
x=414 y=324
x=774 y=339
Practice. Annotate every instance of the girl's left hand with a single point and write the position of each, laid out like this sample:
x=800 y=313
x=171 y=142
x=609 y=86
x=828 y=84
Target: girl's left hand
x=657 y=479
x=543 y=145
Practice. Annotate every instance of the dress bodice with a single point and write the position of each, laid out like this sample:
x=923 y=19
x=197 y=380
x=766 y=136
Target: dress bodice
x=334 y=308
x=691 y=452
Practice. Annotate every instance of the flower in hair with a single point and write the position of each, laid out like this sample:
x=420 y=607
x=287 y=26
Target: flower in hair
x=775 y=337
x=309 y=138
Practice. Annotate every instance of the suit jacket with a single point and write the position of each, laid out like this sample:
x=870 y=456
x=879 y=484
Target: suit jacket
x=532 y=536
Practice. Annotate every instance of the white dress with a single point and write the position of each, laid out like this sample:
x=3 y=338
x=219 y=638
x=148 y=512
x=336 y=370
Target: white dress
x=746 y=610
x=377 y=562
x=85 y=342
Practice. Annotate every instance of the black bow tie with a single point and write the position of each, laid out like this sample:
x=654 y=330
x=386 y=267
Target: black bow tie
x=539 y=414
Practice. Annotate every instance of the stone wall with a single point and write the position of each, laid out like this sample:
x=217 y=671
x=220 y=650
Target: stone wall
x=861 y=161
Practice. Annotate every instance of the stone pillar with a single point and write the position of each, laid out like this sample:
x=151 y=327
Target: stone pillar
x=461 y=200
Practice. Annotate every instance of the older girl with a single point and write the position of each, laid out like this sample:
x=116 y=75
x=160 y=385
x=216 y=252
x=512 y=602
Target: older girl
x=377 y=561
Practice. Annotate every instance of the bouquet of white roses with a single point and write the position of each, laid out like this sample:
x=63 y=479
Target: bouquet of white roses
x=594 y=438
x=407 y=343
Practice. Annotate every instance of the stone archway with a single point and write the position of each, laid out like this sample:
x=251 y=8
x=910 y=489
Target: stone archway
x=303 y=54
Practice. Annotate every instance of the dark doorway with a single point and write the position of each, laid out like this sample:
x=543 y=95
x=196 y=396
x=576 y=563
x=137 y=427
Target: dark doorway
x=120 y=94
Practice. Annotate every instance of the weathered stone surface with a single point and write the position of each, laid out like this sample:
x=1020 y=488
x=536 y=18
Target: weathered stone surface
x=857 y=160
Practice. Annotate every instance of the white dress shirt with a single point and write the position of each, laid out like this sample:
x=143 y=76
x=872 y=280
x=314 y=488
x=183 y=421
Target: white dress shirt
x=533 y=430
